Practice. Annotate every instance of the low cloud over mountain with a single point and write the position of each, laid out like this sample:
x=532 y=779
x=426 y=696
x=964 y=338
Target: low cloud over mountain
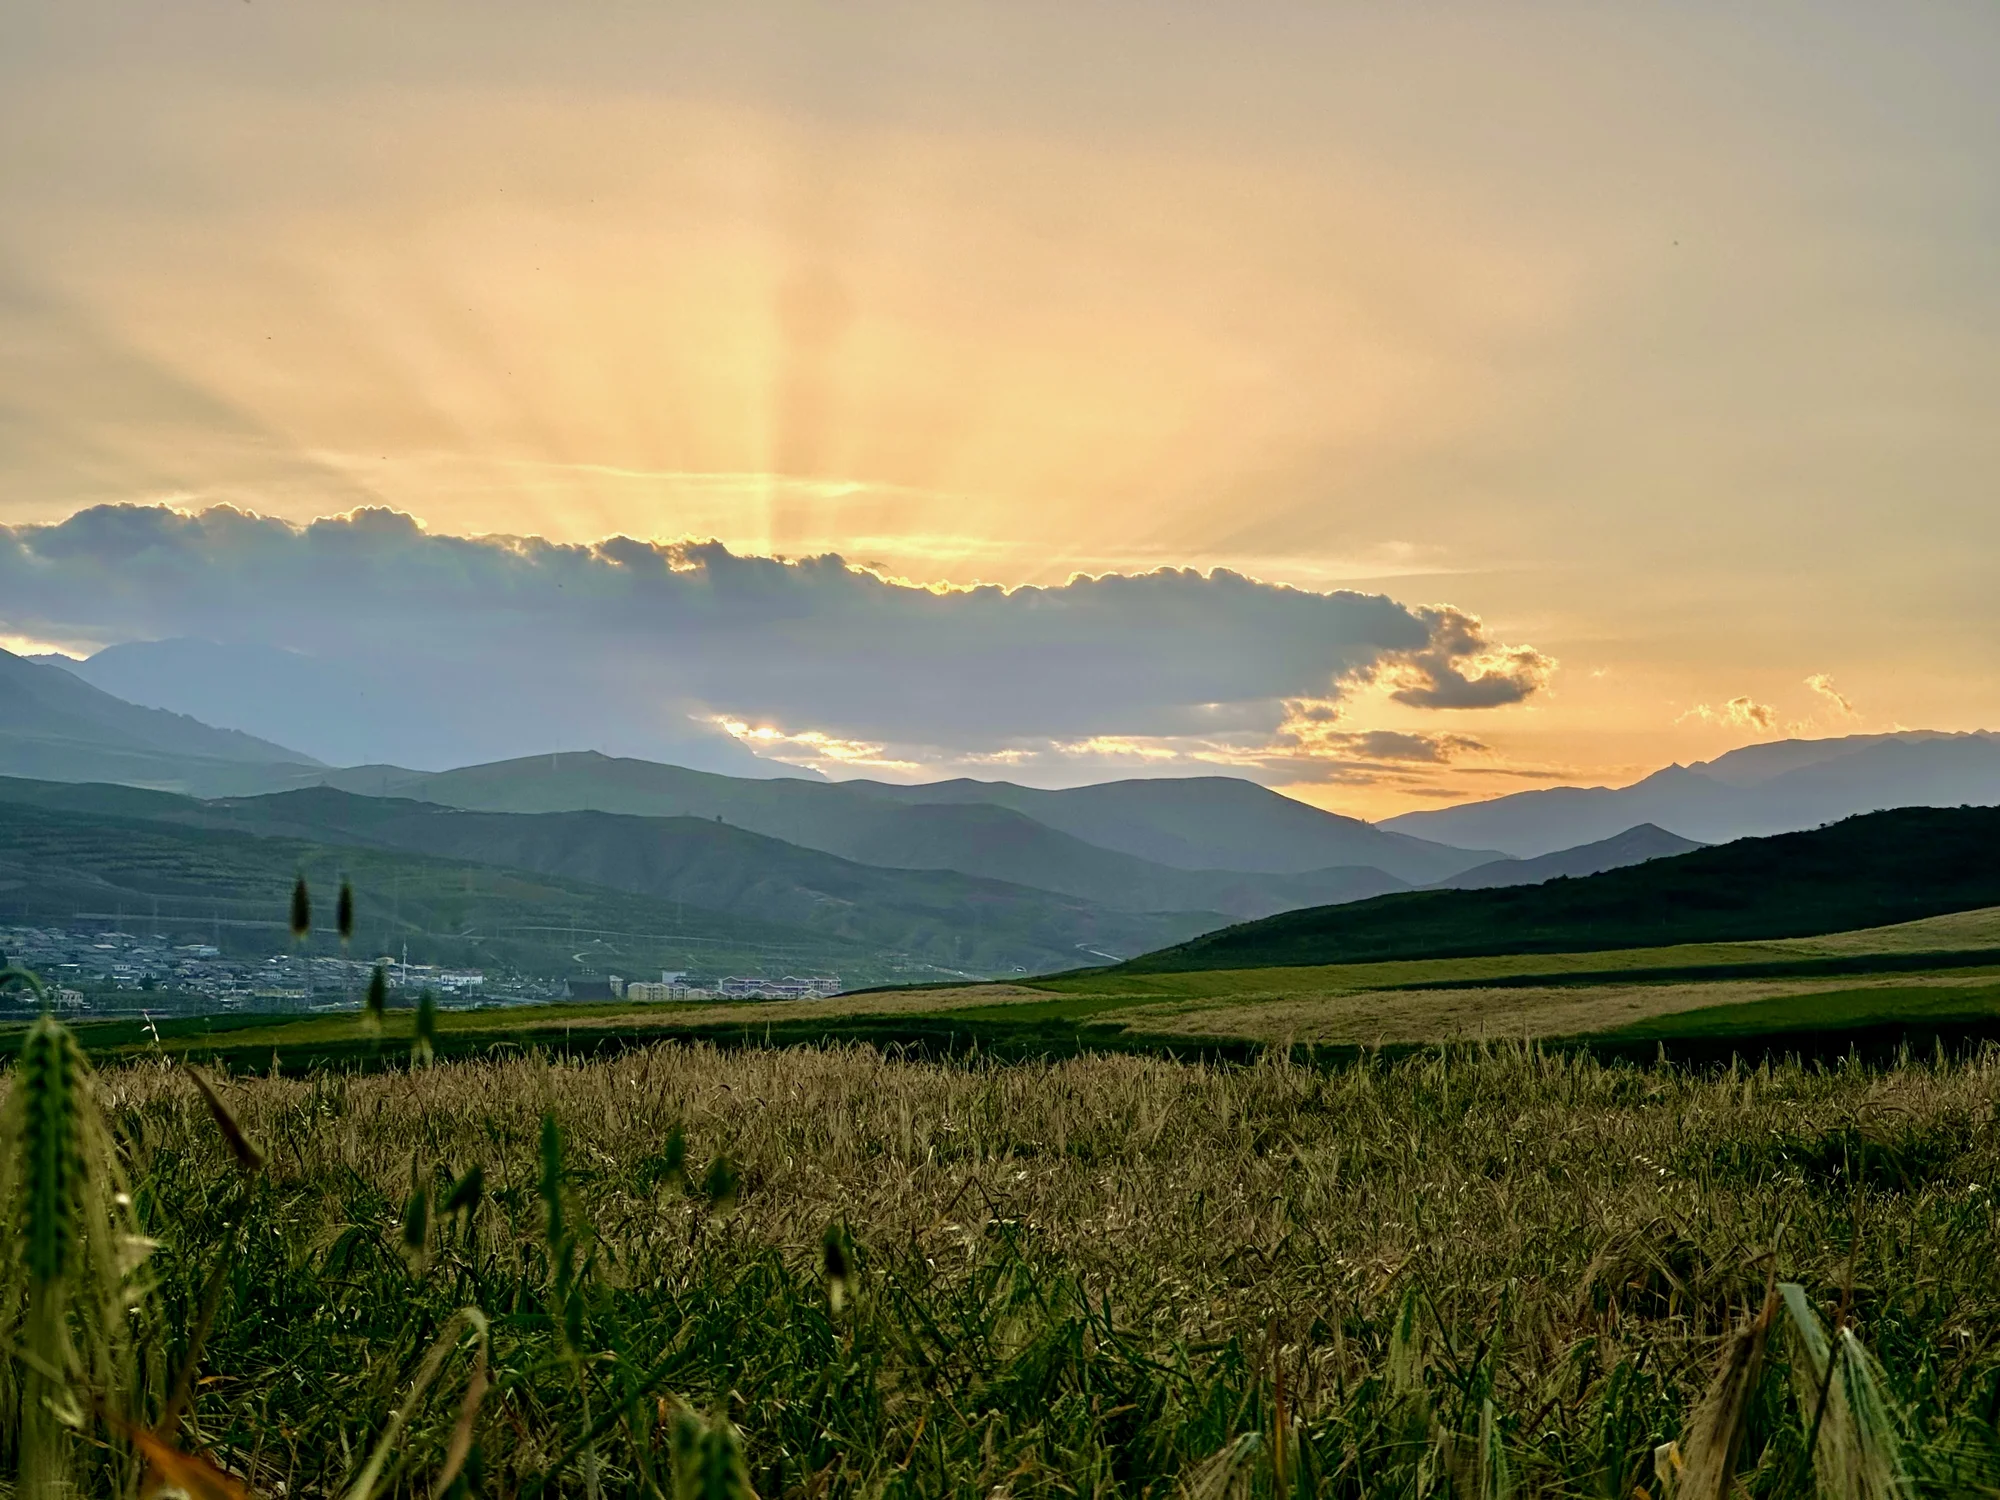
x=449 y=648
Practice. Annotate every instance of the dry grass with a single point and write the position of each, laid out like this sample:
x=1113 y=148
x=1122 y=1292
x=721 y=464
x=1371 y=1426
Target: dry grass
x=1955 y=932
x=1093 y=1274
x=1371 y=1017
x=840 y=1007
x=1343 y=1003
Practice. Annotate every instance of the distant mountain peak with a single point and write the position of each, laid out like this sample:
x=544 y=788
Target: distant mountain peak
x=1778 y=787
x=56 y=725
x=1636 y=845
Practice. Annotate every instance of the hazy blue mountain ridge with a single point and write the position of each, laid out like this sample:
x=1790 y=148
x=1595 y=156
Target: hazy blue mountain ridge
x=1229 y=847
x=1202 y=823
x=344 y=711
x=945 y=918
x=1209 y=822
x=1204 y=849
x=1754 y=792
x=997 y=842
x=53 y=724
x=735 y=870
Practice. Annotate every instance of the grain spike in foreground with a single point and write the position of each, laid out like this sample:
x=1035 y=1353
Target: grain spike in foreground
x=67 y=1264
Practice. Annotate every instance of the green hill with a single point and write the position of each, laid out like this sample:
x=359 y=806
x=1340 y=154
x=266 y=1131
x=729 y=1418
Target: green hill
x=954 y=922
x=1192 y=838
x=984 y=926
x=1199 y=844
x=1210 y=823
x=60 y=867
x=1867 y=871
x=986 y=839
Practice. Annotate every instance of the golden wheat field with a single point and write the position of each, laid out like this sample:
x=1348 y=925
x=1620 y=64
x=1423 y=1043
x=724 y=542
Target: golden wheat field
x=820 y=1271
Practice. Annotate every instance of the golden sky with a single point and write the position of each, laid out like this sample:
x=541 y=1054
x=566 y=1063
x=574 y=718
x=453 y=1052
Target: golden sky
x=1663 y=338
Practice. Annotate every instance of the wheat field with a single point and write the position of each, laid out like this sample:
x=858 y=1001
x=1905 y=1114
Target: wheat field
x=1472 y=1273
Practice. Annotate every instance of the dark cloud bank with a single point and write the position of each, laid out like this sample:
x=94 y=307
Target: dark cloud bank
x=365 y=637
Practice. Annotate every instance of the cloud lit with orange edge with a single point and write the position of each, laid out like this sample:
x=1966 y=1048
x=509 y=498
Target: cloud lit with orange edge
x=1655 y=342
x=811 y=748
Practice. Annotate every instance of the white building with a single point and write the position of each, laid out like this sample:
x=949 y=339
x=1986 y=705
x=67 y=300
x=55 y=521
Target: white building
x=791 y=987
x=673 y=985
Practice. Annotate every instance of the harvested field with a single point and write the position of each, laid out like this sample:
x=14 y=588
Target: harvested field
x=1372 y=1017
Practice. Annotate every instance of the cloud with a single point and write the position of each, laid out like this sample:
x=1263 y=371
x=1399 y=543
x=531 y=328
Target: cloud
x=1313 y=744
x=512 y=645
x=1458 y=667
x=810 y=747
x=1822 y=684
x=1737 y=713
x=1316 y=728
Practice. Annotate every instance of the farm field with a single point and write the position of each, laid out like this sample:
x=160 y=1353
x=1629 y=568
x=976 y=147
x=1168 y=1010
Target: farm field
x=1112 y=1233
x=999 y=752
x=1943 y=971
x=1495 y=1272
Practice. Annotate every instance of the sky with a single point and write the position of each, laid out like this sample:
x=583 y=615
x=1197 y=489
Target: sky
x=1395 y=404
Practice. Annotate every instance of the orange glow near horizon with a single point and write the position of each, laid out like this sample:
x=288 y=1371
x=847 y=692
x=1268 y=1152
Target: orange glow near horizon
x=1635 y=354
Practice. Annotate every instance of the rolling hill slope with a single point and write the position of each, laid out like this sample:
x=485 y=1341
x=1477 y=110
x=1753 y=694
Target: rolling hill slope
x=1868 y=871
x=57 y=727
x=987 y=926
x=953 y=921
x=990 y=840
x=1193 y=824
x=233 y=888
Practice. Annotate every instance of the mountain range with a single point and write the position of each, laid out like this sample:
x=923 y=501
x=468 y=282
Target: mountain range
x=1190 y=824
x=714 y=877
x=341 y=711
x=962 y=875
x=284 y=700
x=1761 y=789
x=68 y=859
x=53 y=724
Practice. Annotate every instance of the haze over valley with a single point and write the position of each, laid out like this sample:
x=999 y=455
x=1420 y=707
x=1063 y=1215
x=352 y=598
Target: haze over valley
x=868 y=879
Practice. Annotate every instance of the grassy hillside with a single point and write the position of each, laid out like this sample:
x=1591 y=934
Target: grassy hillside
x=1187 y=824
x=1865 y=872
x=954 y=922
x=232 y=888
x=1919 y=982
x=984 y=926
x=987 y=839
